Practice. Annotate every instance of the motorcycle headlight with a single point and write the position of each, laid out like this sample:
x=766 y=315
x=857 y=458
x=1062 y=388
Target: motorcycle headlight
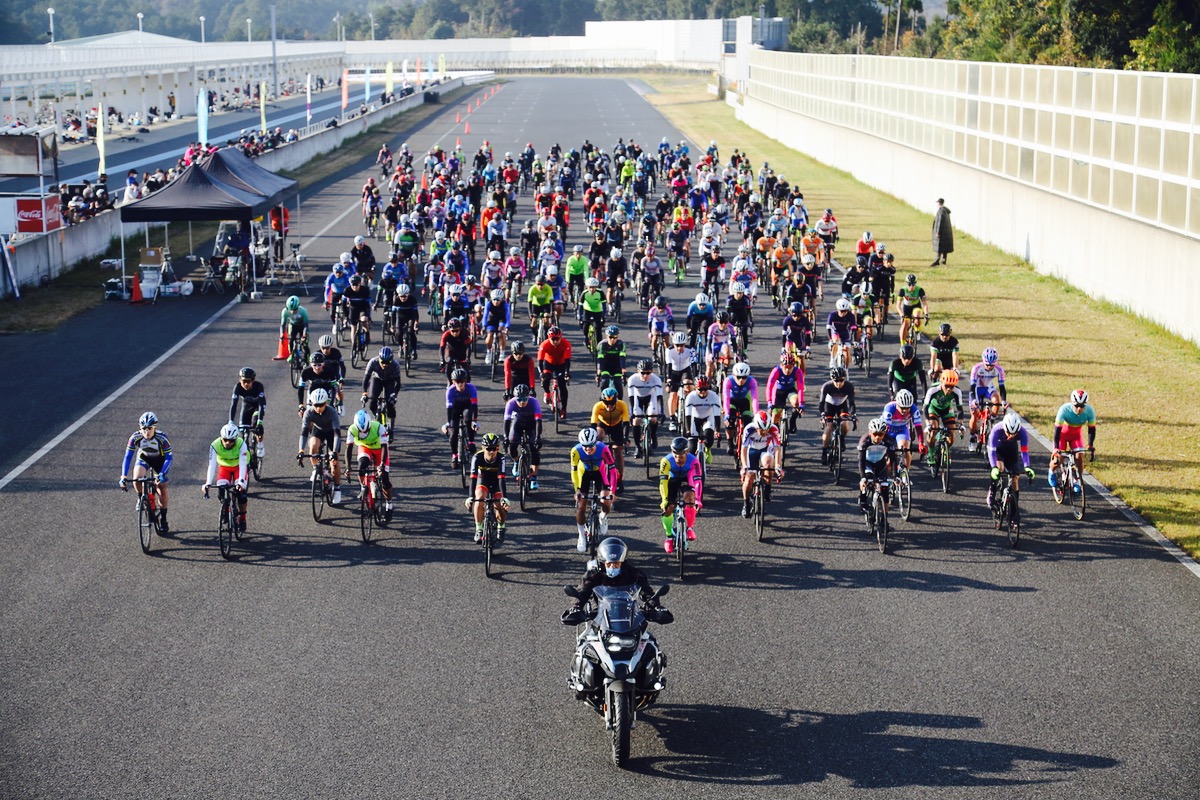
x=616 y=642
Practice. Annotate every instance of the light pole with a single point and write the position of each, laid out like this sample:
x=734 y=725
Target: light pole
x=337 y=26
x=372 y=16
x=201 y=30
x=248 y=39
x=139 y=27
x=50 y=11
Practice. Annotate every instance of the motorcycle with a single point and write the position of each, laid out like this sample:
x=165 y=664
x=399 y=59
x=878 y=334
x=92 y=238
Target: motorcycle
x=618 y=666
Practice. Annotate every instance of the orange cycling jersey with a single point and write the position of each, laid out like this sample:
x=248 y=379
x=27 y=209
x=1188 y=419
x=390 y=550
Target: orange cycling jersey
x=765 y=244
x=554 y=354
x=811 y=243
x=783 y=257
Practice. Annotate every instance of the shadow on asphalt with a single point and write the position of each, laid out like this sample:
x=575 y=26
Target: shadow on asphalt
x=870 y=750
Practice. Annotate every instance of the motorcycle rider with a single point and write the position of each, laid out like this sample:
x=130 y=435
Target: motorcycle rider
x=611 y=568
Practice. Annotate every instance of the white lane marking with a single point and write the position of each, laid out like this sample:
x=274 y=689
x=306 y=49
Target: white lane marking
x=103 y=404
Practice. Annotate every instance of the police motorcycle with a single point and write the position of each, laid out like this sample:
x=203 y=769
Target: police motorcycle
x=618 y=667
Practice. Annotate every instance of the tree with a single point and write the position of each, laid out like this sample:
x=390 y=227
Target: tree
x=1168 y=45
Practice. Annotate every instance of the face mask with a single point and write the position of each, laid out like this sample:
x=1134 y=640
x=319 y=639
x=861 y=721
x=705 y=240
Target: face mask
x=612 y=572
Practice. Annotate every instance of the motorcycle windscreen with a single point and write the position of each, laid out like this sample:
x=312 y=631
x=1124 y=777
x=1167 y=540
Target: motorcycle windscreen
x=618 y=610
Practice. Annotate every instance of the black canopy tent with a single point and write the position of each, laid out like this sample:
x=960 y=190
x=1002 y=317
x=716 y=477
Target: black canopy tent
x=231 y=166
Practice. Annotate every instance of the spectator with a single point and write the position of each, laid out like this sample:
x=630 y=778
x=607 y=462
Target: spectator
x=943 y=234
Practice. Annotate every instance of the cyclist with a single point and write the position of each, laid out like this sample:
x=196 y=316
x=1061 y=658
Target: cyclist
x=899 y=415
x=152 y=451
x=797 y=330
x=513 y=273
x=836 y=406
x=333 y=356
x=720 y=342
x=358 y=307
x=907 y=300
x=659 y=319
x=497 y=317
x=254 y=406
x=541 y=302
x=336 y=284
x=679 y=468
x=760 y=439
x=381 y=378
x=487 y=479
x=578 y=267
x=523 y=420
x=700 y=317
x=737 y=305
x=455 y=348
x=702 y=406
x=681 y=364
x=615 y=269
x=364 y=258
x=652 y=276
x=877 y=458
x=645 y=403
x=371 y=439
x=227 y=460
x=610 y=418
x=293 y=322
x=943 y=406
x=865 y=246
x=590 y=310
x=592 y=465
x=1072 y=416
x=811 y=275
x=319 y=374
x=555 y=281
x=739 y=396
x=841 y=327
x=610 y=360
x=905 y=371
x=713 y=266
x=785 y=387
x=462 y=404
x=554 y=360
x=827 y=229
x=1008 y=451
x=320 y=425
x=408 y=315
x=519 y=370
x=943 y=351
x=394 y=273
x=987 y=388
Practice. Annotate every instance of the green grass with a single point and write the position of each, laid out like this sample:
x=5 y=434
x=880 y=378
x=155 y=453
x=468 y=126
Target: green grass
x=1052 y=337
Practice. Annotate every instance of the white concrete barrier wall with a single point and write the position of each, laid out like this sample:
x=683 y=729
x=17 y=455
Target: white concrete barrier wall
x=1111 y=255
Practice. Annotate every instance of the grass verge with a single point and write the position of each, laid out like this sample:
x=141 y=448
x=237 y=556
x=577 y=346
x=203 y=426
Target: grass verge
x=44 y=308
x=1052 y=337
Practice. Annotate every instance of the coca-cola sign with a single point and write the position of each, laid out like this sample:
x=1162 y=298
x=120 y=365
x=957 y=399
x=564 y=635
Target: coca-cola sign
x=30 y=211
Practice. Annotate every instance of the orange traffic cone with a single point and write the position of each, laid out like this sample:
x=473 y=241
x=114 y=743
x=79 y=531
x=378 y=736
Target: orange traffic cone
x=136 y=297
x=457 y=142
x=477 y=101
x=283 y=354
x=457 y=117
x=467 y=129
x=424 y=180
x=468 y=107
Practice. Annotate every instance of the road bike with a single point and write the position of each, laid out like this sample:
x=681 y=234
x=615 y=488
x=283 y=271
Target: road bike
x=679 y=526
x=408 y=347
x=940 y=449
x=524 y=469
x=435 y=308
x=556 y=404
x=861 y=351
x=591 y=519
x=837 y=446
x=371 y=504
x=228 y=527
x=1006 y=512
x=876 y=514
x=298 y=356
x=902 y=491
x=641 y=438
x=760 y=495
x=358 y=350
x=497 y=355
x=491 y=531
x=248 y=433
x=1069 y=486
x=148 y=522
x=321 y=492
x=341 y=325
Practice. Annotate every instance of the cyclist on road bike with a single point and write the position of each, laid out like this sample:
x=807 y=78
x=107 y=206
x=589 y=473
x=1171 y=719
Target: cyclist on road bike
x=943 y=351
x=254 y=406
x=700 y=316
x=487 y=479
x=381 y=379
x=333 y=356
x=681 y=364
x=610 y=360
x=907 y=301
x=677 y=469
x=610 y=418
x=364 y=259
x=371 y=439
x=836 y=406
x=899 y=415
x=760 y=440
x=739 y=396
x=455 y=348
x=797 y=328
x=497 y=317
x=592 y=465
x=319 y=374
x=320 y=425
x=841 y=326
x=906 y=371
x=590 y=310
x=358 y=305
x=554 y=360
x=645 y=403
x=227 y=466
x=148 y=449
x=785 y=387
x=943 y=406
x=1069 y=422
x=987 y=389
x=877 y=459
x=462 y=403
x=293 y=321
x=720 y=342
x=702 y=406
x=1008 y=451
x=519 y=370
x=523 y=419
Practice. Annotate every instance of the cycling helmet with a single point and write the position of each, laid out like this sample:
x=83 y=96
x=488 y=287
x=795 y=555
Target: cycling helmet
x=248 y=374
x=722 y=316
x=358 y=240
x=944 y=329
x=554 y=332
x=491 y=442
x=660 y=302
x=293 y=303
x=877 y=425
x=796 y=308
x=540 y=280
x=679 y=445
x=860 y=262
x=356 y=280
x=1012 y=422
x=587 y=437
x=385 y=355
x=612 y=330
x=577 y=249
x=497 y=295
x=517 y=348
x=1079 y=397
x=147 y=420
x=523 y=391
x=738 y=288
x=990 y=356
x=911 y=279
x=470 y=280
x=843 y=304
x=362 y=420
x=867 y=237
x=612 y=550
x=679 y=338
x=907 y=352
x=645 y=365
x=551 y=270
x=762 y=421
x=403 y=290
x=439 y=235
x=616 y=253
x=741 y=370
x=514 y=251
x=316 y=359
x=608 y=393
x=593 y=283
x=318 y=397
x=459 y=375
x=704 y=384
x=494 y=255
x=949 y=378
x=743 y=248
x=702 y=299
x=809 y=259
x=881 y=248
x=904 y=398
x=837 y=374
x=229 y=431
x=345 y=258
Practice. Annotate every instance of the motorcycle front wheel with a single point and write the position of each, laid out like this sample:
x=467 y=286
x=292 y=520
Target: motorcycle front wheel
x=622 y=720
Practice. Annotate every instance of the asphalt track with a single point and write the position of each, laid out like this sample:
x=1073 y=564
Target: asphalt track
x=315 y=666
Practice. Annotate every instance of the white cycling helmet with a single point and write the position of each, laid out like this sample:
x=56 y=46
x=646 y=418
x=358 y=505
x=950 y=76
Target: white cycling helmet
x=904 y=398
x=877 y=425
x=494 y=255
x=843 y=304
x=741 y=370
x=358 y=240
x=404 y=290
x=325 y=341
x=229 y=431
x=497 y=295
x=738 y=288
x=616 y=253
x=593 y=283
x=345 y=258
x=318 y=397
x=809 y=259
x=587 y=437
x=702 y=299
x=1012 y=422
x=679 y=337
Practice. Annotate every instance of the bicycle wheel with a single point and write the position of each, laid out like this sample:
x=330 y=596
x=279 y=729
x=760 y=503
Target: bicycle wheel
x=679 y=532
x=341 y=330
x=357 y=354
x=1056 y=491
x=318 y=497
x=523 y=478
x=297 y=368
x=225 y=528
x=489 y=538
x=409 y=348
x=1078 y=499
x=944 y=465
x=760 y=512
x=495 y=359
x=464 y=468
x=146 y=523
x=1012 y=519
x=644 y=435
x=835 y=459
x=881 y=523
x=904 y=488
x=866 y=348
x=366 y=514
x=554 y=409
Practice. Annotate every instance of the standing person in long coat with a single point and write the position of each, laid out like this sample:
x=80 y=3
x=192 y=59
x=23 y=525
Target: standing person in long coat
x=943 y=234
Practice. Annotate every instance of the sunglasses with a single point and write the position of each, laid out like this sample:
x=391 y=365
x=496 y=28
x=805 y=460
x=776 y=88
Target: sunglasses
x=741 y=378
